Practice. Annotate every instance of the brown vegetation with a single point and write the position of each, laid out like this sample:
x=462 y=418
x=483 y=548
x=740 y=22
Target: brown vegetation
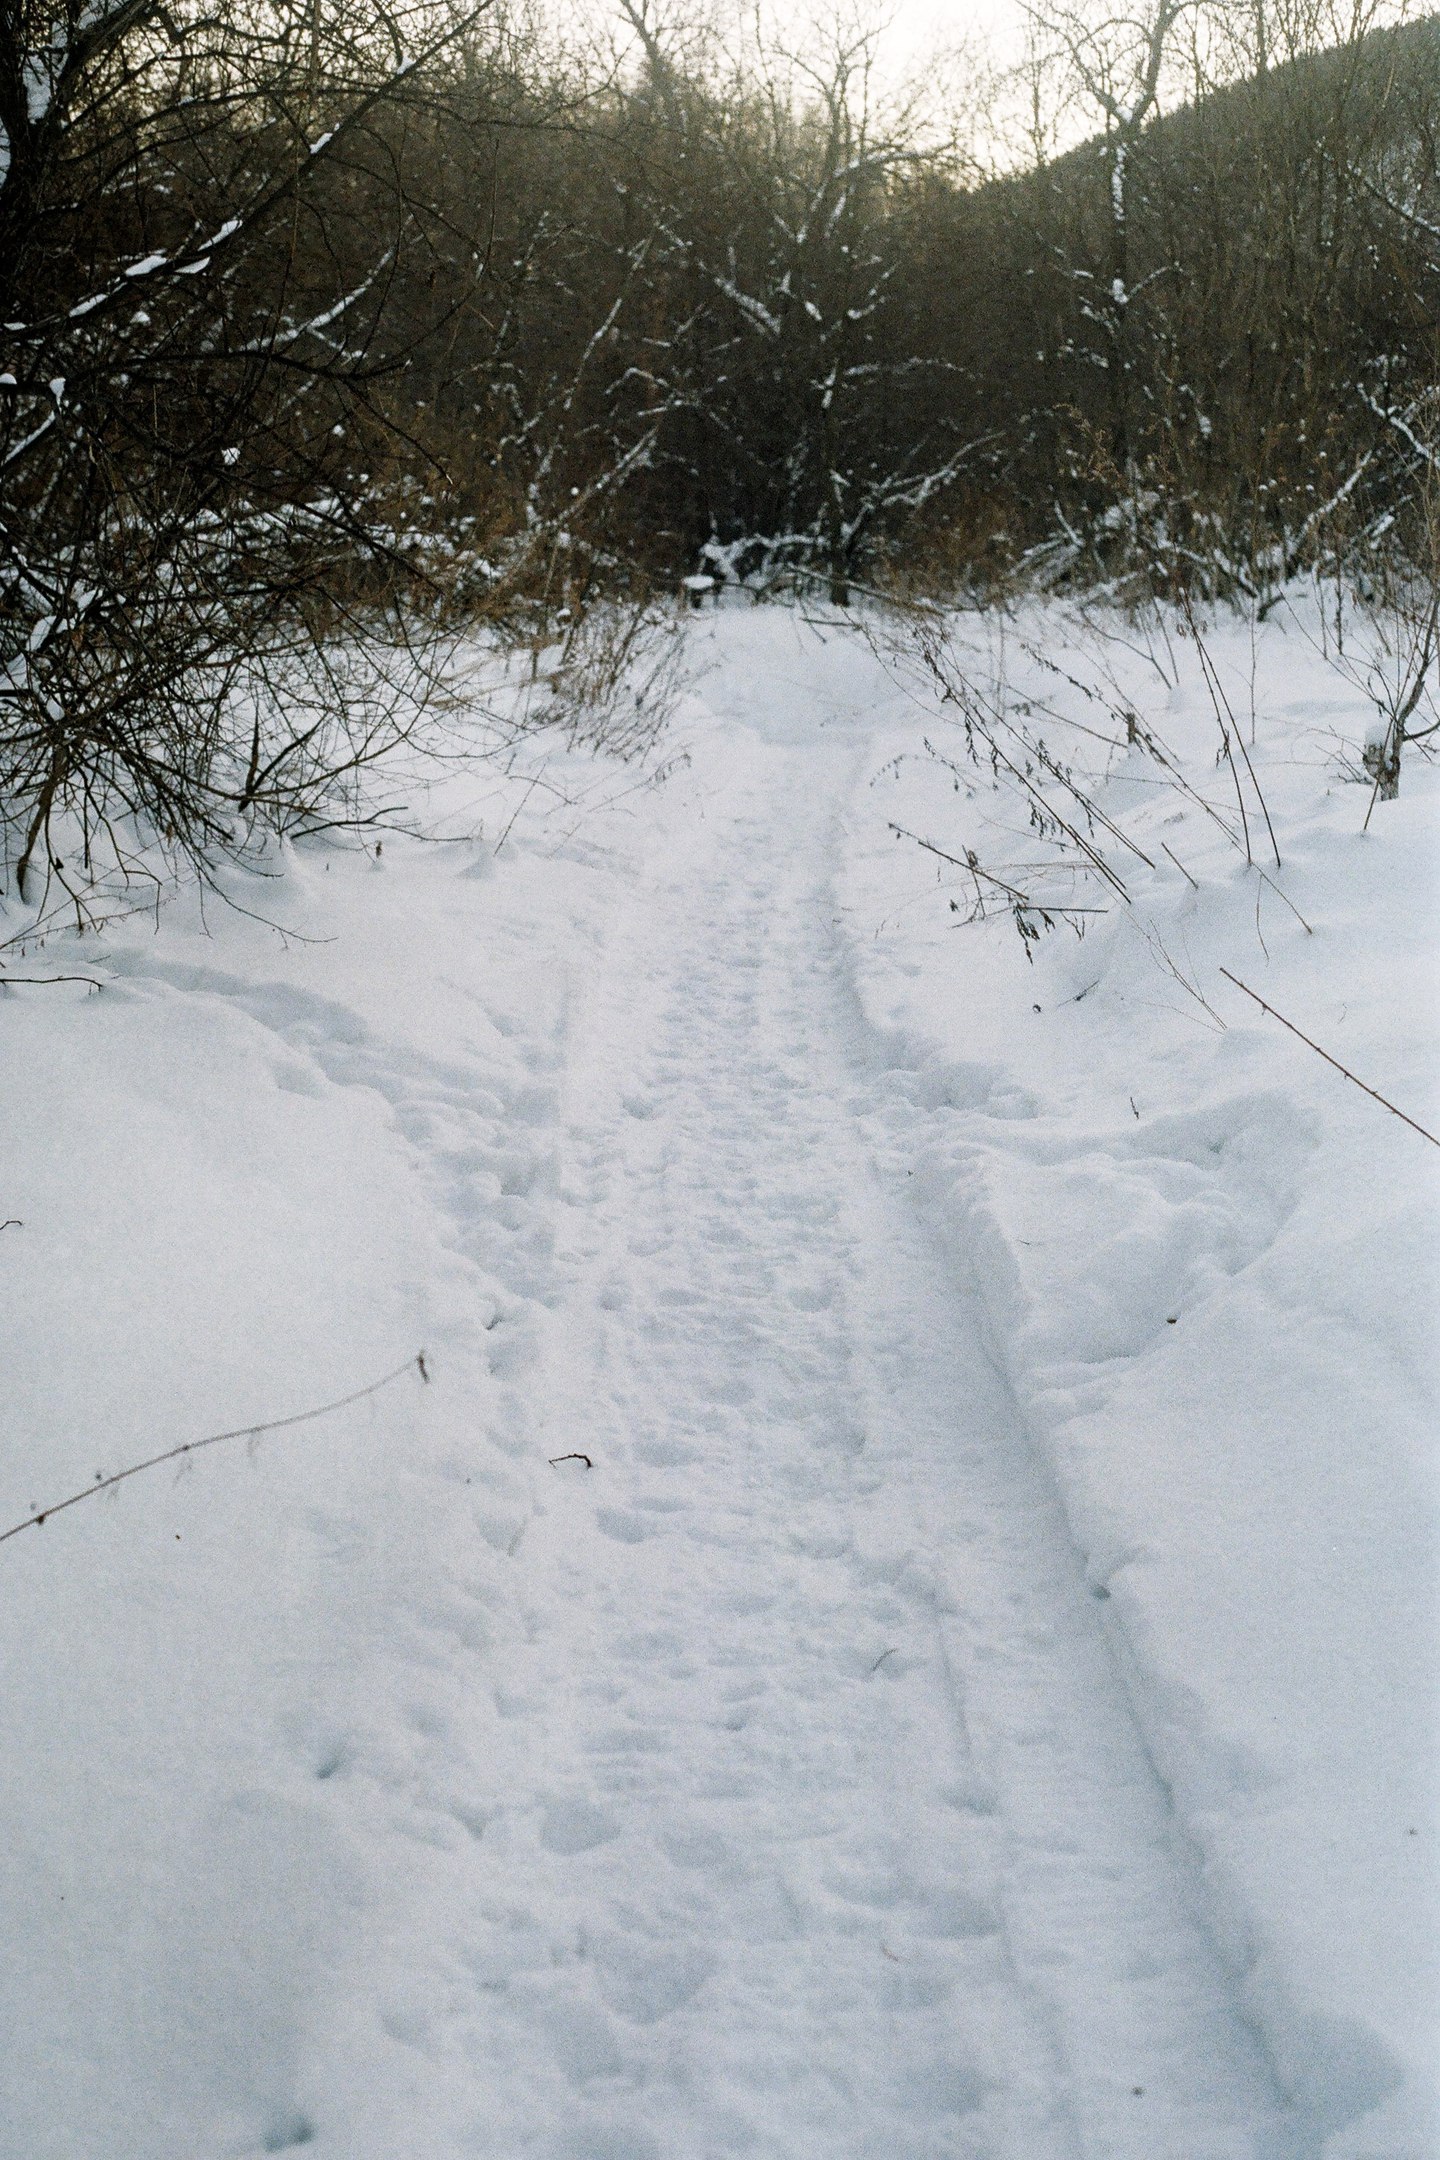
x=326 y=328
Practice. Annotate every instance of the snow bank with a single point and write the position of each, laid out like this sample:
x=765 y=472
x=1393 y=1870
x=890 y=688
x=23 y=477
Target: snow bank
x=1210 y=1268
x=289 y=1144
x=262 y=1718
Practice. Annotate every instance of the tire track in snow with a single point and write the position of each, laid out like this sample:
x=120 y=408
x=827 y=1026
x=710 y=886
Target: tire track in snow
x=821 y=1824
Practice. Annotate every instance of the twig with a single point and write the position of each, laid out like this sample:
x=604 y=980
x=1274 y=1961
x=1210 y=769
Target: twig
x=1157 y=947
x=241 y=1432
x=1373 y=1092
x=1263 y=874
x=14 y=1223
x=973 y=867
x=1218 y=698
x=93 y=980
x=571 y=1458
x=1308 y=928
x=1178 y=864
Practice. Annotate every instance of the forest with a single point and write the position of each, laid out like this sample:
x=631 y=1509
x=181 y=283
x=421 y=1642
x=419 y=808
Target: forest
x=330 y=331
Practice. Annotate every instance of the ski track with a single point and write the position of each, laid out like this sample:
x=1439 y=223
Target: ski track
x=818 y=1822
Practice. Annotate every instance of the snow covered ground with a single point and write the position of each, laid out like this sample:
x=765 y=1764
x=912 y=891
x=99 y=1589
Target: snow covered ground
x=902 y=1624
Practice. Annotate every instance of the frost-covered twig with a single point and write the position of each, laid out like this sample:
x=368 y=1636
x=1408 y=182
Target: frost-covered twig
x=1374 y=1093
x=414 y=1364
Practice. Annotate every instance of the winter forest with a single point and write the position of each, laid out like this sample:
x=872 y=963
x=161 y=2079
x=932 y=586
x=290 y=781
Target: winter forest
x=346 y=320
x=718 y=1053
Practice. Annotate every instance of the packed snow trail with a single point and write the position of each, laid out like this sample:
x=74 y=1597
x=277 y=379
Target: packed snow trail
x=848 y=1844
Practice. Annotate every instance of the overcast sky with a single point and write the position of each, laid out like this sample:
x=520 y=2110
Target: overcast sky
x=911 y=30
x=919 y=23
x=915 y=27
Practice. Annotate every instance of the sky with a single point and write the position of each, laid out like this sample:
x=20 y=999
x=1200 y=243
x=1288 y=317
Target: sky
x=914 y=28
x=921 y=23
x=922 y=41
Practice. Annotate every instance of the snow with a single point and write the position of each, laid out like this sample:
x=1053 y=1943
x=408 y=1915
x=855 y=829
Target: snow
x=976 y=1697
x=1208 y=1265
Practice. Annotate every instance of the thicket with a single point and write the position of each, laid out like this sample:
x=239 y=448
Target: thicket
x=753 y=311
x=327 y=328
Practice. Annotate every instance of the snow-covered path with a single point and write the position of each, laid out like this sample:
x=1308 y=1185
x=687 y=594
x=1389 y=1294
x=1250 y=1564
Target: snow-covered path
x=886 y=1422
x=848 y=1843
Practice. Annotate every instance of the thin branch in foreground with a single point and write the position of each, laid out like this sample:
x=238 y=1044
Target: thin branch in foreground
x=241 y=1432
x=1179 y=865
x=1308 y=928
x=1374 y=1093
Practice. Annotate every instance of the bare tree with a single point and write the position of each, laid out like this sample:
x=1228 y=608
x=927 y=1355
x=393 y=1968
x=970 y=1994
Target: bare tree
x=1117 y=64
x=201 y=214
